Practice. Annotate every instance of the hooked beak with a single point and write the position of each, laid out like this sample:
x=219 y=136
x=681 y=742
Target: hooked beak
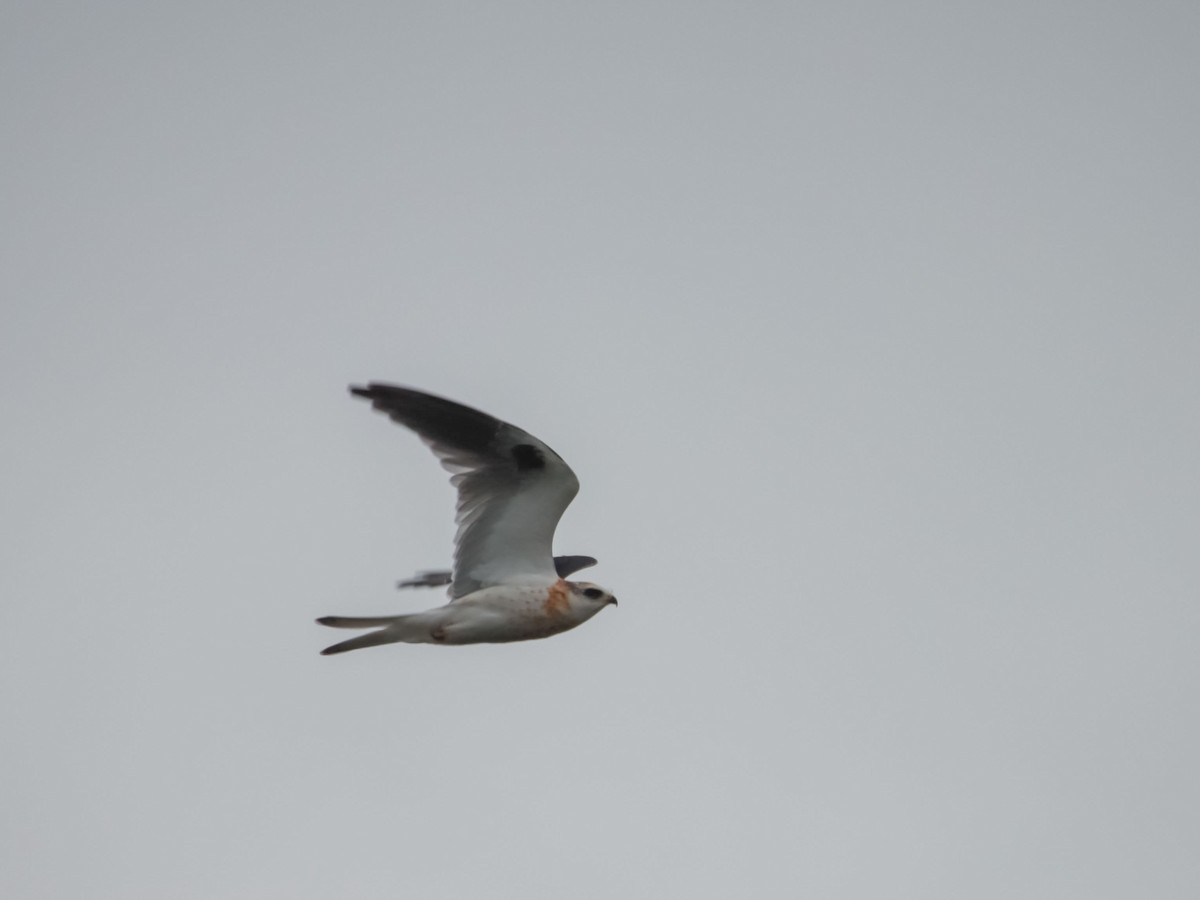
x=613 y=601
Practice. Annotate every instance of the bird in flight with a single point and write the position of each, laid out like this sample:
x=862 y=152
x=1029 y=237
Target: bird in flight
x=512 y=489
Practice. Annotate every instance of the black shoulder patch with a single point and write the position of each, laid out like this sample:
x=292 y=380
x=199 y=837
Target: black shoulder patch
x=528 y=457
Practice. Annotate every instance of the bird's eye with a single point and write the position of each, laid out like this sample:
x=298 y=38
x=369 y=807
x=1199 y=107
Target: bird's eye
x=593 y=593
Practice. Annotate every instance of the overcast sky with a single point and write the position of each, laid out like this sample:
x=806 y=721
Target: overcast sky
x=872 y=331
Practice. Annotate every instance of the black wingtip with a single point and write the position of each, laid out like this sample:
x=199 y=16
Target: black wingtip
x=569 y=565
x=434 y=418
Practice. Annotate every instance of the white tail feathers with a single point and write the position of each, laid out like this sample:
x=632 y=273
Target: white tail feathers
x=412 y=629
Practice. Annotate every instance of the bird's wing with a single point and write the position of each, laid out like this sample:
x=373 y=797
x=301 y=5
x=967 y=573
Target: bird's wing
x=512 y=488
x=428 y=578
x=566 y=566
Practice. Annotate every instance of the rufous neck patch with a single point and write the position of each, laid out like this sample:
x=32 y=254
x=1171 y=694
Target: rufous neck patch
x=558 y=598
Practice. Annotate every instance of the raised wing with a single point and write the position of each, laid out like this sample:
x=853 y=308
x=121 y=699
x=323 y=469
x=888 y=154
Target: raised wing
x=512 y=488
x=565 y=566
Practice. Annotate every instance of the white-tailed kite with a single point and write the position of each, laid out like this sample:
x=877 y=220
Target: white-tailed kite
x=512 y=490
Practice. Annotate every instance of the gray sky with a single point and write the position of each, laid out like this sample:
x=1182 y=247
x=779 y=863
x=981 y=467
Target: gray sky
x=871 y=330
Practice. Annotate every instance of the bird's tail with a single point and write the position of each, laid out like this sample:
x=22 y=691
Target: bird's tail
x=391 y=630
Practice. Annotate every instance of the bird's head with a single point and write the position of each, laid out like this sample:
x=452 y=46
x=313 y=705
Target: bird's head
x=591 y=595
